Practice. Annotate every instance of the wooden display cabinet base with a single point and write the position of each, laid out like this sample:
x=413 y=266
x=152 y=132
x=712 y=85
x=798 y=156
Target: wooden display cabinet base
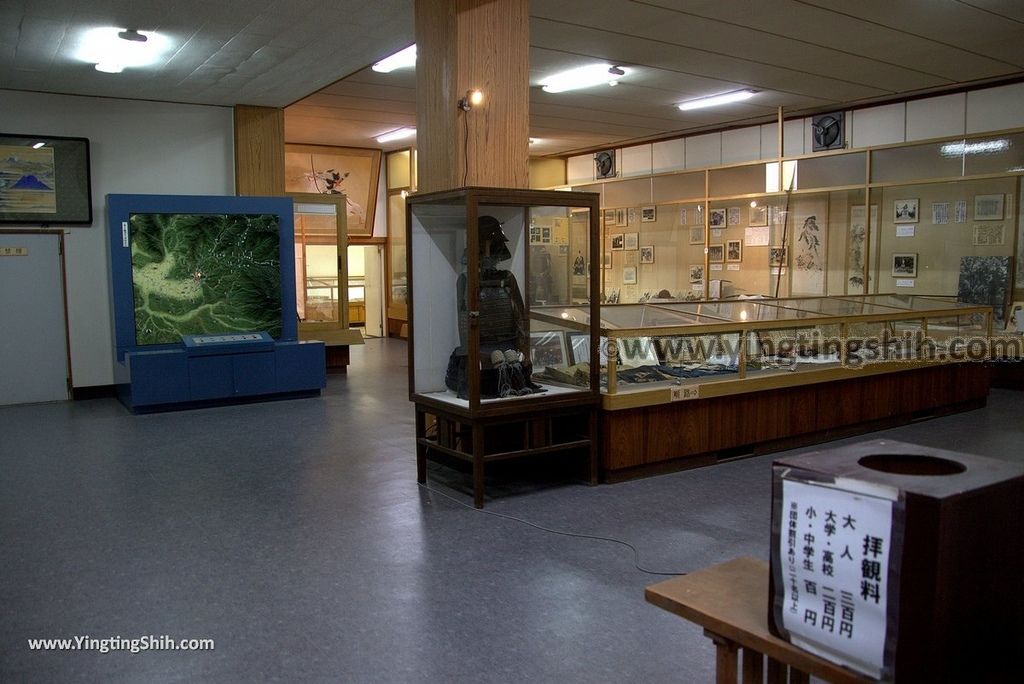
x=689 y=434
x=442 y=436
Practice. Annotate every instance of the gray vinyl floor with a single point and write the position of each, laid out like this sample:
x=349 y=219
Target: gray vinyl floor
x=294 y=535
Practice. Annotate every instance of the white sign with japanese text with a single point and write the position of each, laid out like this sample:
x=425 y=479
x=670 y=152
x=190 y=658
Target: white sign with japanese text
x=835 y=553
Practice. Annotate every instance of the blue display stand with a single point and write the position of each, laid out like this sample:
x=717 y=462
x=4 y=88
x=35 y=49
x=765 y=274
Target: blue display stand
x=208 y=367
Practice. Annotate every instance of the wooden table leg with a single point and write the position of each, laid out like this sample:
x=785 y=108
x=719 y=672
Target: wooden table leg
x=726 y=653
x=478 y=466
x=421 y=449
x=776 y=672
x=753 y=666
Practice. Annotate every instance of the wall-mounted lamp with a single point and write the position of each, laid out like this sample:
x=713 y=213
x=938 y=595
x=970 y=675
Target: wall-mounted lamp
x=472 y=99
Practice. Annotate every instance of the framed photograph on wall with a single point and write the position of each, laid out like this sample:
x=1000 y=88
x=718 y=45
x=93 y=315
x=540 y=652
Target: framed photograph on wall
x=776 y=256
x=606 y=260
x=988 y=207
x=904 y=211
x=632 y=241
x=696 y=235
x=758 y=215
x=697 y=273
x=609 y=217
x=327 y=170
x=547 y=348
x=621 y=217
x=647 y=254
x=717 y=218
x=648 y=214
x=616 y=241
x=629 y=275
x=904 y=265
x=44 y=180
x=716 y=253
x=734 y=250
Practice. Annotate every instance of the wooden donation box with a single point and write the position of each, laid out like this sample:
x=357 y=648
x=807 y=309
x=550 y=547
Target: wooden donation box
x=901 y=562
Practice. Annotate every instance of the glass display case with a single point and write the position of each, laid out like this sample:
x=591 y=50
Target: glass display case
x=655 y=353
x=493 y=274
x=503 y=324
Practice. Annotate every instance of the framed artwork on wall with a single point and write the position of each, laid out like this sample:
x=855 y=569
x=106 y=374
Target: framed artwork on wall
x=697 y=273
x=776 y=256
x=734 y=250
x=717 y=218
x=716 y=253
x=696 y=235
x=648 y=214
x=988 y=207
x=44 y=180
x=327 y=170
x=647 y=254
x=904 y=211
x=904 y=265
x=616 y=241
x=758 y=215
x=629 y=275
x=632 y=241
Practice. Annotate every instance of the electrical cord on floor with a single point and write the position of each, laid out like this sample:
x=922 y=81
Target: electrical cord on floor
x=579 y=535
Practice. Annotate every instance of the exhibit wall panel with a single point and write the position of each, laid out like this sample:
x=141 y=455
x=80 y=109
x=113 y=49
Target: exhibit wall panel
x=741 y=144
x=580 y=169
x=668 y=155
x=936 y=117
x=878 y=125
x=995 y=109
x=704 y=150
x=636 y=161
x=136 y=147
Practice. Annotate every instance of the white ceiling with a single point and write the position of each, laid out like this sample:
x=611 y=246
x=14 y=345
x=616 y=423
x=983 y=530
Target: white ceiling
x=804 y=55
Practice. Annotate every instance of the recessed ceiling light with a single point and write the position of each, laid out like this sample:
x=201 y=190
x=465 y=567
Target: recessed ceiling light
x=397 y=134
x=114 y=49
x=583 y=77
x=400 y=60
x=716 y=100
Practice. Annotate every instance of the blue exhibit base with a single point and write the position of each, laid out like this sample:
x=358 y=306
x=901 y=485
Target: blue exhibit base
x=170 y=379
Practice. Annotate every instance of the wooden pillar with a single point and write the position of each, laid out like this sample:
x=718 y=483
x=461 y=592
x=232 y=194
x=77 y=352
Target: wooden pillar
x=259 y=150
x=463 y=45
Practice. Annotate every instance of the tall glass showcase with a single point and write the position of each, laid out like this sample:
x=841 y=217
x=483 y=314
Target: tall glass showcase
x=503 y=322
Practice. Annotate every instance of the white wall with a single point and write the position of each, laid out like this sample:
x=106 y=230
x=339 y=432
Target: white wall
x=135 y=147
x=987 y=109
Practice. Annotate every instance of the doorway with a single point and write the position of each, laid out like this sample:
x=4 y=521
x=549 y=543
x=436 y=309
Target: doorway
x=34 y=345
x=366 y=288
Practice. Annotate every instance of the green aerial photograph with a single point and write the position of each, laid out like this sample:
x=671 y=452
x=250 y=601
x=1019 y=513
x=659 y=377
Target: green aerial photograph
x=205 y=273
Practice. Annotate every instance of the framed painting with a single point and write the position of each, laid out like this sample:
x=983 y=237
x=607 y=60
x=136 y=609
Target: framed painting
x=547 y=348
x=734 y=250
x=646 y=254
x=904 y=211
x=44 y=180
x=716 y=253
x=617 y=241
x=326 y=170
x=904 y=265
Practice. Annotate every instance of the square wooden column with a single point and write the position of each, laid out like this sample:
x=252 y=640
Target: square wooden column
x=463 y=45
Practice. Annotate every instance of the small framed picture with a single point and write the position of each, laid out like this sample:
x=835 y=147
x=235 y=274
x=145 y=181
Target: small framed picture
x=716 y=253
x=697 y=273
x=547 y=348
x=904 y=265
x=758 y=215
x=648 y=214
x=631 y=216
x=988 y=207
x=621 y=217
x=904 y=211
x=616 y=241
x=734 y=250
x=734 y=216
x=606 y=260
x=579 y=347
x=717 y=218
x=632 y=241
x=776 y=256
x=629 y=275
x=609 y=217
x=647 y=254
x=696 y=235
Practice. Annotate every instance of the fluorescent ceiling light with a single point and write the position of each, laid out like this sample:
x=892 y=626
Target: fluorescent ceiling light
x=959 y=149
x=112 y=53
x=716 y=100
x=400 y=60
x=397 y=134
x=583 y=77
x=38 y=145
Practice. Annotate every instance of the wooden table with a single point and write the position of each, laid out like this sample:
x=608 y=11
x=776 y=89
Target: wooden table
x=730 y=601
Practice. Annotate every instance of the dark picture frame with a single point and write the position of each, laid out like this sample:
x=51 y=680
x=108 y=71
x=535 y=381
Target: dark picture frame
x=45 y=180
